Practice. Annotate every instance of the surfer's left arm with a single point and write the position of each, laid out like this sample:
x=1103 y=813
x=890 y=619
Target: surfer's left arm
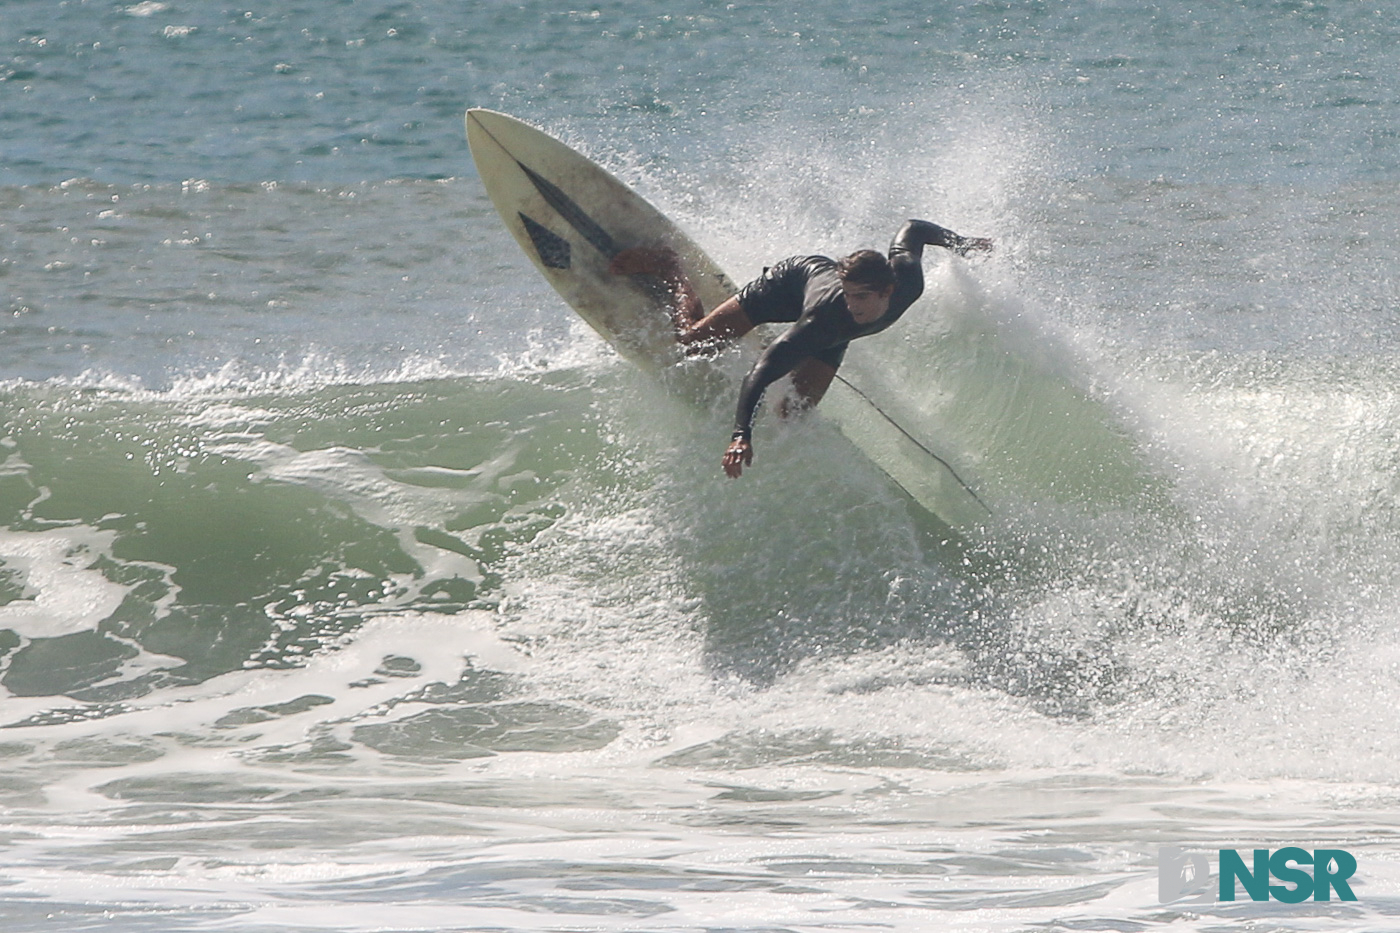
x=916 y=234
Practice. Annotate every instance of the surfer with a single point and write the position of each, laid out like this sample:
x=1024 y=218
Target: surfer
x=828 y=302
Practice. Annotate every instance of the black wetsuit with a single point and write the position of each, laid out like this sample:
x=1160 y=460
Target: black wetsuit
x=806 y=289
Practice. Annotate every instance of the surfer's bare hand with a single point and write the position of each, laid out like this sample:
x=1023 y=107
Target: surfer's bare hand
x=738 y=456
x=645 y=260
x=973 y=244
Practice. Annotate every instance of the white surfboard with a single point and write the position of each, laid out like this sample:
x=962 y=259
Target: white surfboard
x=570 y=217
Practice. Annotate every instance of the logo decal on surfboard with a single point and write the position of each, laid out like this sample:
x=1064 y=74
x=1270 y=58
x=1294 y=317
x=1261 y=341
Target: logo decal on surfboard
x=553 y=250
x=586 y=226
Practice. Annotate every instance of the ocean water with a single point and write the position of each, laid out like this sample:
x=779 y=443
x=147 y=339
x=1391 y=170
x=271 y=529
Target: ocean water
x=349 y=583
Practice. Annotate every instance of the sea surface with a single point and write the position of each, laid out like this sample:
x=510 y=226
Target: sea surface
x=348 y=582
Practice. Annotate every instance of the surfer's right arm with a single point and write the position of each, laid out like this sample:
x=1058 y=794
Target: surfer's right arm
x=738 y=455
x=780 y=358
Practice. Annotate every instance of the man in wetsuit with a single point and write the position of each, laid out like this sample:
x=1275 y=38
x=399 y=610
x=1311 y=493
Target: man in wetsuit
x=830 y=304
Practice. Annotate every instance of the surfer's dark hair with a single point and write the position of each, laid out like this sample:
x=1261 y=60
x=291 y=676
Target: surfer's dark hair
x=866 y=267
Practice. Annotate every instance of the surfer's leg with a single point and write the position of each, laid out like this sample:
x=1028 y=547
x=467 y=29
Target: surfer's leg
x=810 y=380
x=696 y=331
x=726 y=323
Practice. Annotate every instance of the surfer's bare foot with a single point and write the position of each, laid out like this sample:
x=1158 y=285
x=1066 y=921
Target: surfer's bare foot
x=646 y=260
x=664 y=264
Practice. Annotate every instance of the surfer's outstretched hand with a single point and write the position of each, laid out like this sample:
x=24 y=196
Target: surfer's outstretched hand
x=973 y=244
x=738 y=456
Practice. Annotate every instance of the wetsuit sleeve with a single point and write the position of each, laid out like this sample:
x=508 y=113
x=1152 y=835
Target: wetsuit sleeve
x=906 y=256
x=916 y=234
x=819 y=337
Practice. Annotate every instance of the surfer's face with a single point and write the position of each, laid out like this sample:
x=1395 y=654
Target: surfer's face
x=866 y=303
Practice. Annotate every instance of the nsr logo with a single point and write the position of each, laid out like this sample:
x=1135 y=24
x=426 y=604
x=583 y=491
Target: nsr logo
x=1187 y=874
